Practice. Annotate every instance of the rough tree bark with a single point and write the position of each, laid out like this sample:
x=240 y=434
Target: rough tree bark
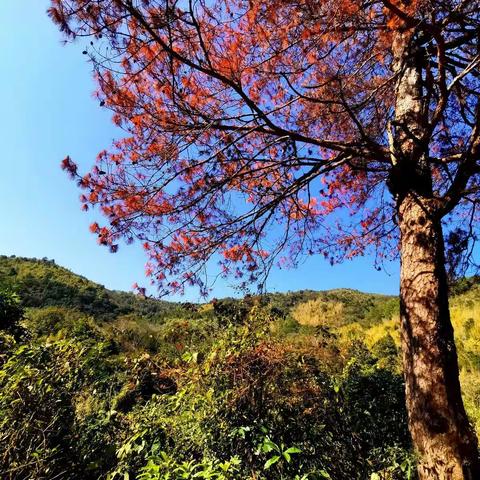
x=441 y=433
x=439 y=426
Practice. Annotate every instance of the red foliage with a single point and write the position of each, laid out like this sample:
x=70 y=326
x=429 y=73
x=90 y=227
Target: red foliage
x=249 y=123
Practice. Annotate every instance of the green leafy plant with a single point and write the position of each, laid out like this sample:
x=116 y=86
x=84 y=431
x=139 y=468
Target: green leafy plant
x=277 y=452
x=165 y=467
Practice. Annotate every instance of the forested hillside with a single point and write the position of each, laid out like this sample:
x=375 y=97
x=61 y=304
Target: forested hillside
x=97 y=384
x=43 y=283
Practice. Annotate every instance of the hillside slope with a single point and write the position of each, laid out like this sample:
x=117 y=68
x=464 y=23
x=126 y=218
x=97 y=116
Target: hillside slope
x=43 y=283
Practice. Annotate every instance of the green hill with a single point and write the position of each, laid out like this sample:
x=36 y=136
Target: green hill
x=43 y=283
x=335 y=307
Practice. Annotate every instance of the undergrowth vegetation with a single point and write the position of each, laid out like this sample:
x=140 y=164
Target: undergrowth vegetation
x=249 y=389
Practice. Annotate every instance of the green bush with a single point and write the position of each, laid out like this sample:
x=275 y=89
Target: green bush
x=41 y=434
x=282 y=411
x=11 y=312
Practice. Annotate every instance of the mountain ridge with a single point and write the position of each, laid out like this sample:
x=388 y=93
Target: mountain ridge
x=42 y=283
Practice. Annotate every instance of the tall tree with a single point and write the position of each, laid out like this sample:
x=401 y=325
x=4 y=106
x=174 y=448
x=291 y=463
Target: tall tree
x=260 y=130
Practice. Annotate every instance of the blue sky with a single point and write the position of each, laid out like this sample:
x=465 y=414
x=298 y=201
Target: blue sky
x=47 y=113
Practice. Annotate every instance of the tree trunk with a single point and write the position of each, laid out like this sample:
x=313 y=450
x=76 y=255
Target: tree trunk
x=441 y=433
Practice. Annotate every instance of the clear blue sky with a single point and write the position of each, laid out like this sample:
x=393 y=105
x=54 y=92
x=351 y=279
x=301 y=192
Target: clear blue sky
x=47 y=113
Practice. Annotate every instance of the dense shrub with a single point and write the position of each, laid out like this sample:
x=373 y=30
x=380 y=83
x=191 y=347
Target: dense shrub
x=269 y=410
x=107 y=385
x=44 y=389
x=11 y=311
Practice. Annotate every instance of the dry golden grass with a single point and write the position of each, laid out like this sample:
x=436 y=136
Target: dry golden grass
x=318 y=312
